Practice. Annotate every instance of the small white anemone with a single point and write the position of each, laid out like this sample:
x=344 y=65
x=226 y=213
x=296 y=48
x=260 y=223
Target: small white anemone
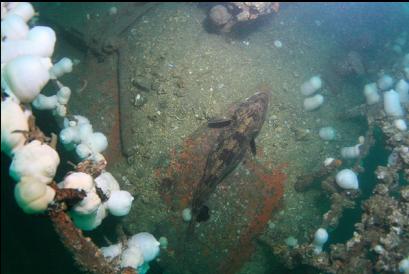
x=88 y=205
x=132 y=257
x=320 y=238
x=79 y=180
x=112 y=251
x=347 y=179
x=120 y=202
x=107 y=183
x=90 y=221
x=147 y=243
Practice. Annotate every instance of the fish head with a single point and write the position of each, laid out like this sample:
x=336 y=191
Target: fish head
x=262 y=99
x=251 y=114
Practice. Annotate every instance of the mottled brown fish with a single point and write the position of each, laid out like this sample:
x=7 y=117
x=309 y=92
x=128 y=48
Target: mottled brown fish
x=236 y=137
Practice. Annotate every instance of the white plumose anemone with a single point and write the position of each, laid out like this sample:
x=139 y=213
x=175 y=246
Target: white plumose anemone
x=314 y=102
x=33 y=196
x=400 y=124
x=13 y=119
x=112 y=251
x=62 y=67
x=90 y=221
x=13 y=27
x=385 y=82
x=327 y=133
x=147 y=244
x=132 y=257
x=25 y=77
x=120 y=202
x=107 y=183
x=347 y=179
x=79 y=180
x=88 y=205
x=404 y=265
x=371 y=94
x=320 y=238
x=35 y=160
x=23 y=9
x=187 y=214
x=351 y=152
x=392 y=104
x=39 y=42
x=311 y=86
x=402 y=88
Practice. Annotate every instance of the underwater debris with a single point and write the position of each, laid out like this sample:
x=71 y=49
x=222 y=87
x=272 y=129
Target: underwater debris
x=306 y=181
x=86 y=254
x=225 y=16
x=380 y=241
x=381 y=238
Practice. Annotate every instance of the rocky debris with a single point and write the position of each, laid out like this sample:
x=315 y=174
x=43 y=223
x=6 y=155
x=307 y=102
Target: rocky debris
x=225 y=16
x=142 y=82
x=219 y=15
x=338 y=204
x=301 y=134
x=380 y=241
x=381 y=238
x=305 y=181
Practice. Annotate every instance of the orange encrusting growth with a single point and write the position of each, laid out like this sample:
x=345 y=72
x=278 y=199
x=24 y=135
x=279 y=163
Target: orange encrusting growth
x=245 y=201
x=186 y=168
x=270 y=187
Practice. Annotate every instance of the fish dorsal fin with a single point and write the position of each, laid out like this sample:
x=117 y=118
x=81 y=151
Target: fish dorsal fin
x=253 y=146
x=219 y=122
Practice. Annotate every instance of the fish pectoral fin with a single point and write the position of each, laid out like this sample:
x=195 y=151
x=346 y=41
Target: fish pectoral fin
x=253 y=146
x=218 y=122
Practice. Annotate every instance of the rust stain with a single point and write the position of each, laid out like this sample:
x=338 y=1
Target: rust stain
x=262 y=189
x=101 y=99
x=185 y=169
x=271 y=190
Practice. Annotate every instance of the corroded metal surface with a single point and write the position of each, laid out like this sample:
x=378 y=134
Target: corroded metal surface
x=85 y=253
x=106 y=70
x=252 y=192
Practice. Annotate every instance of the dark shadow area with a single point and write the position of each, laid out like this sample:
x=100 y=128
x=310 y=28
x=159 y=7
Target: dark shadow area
x=28 y=242
x=377 y=155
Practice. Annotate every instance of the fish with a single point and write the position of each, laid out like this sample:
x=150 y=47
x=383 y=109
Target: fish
x=236 y=139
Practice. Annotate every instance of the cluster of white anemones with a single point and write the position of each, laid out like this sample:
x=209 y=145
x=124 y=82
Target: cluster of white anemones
x=89 y=213
x=395 y=95
x=140 y=249
x=26 y=68
x=310 y=87
x=25 y=64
